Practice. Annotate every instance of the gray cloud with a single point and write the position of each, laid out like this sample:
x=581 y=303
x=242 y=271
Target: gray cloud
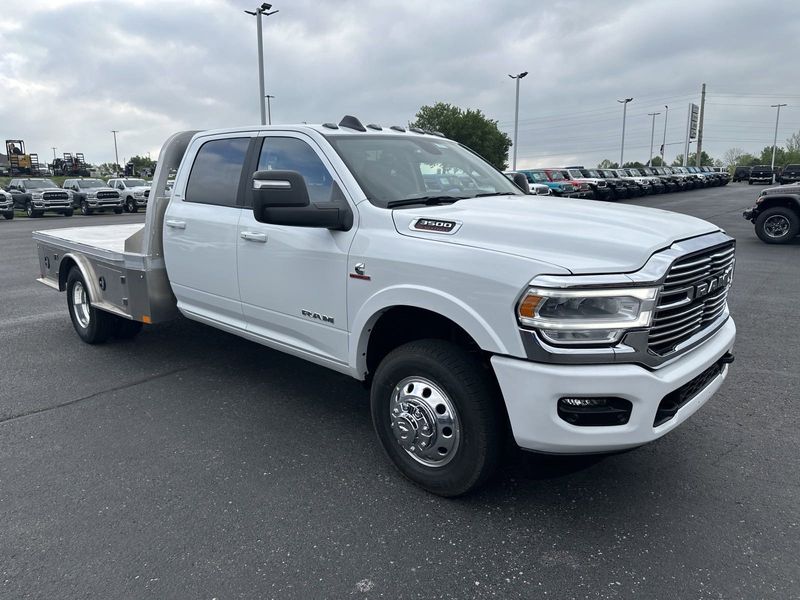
x=72 y=70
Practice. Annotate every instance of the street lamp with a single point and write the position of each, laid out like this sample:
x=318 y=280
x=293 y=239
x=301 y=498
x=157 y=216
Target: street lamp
x=269 y=109
x=775 y=139
x=516 y=117
x=664 y=143
x=264 y=9
x=116 y=155
x=652 y=133
x=624 y=114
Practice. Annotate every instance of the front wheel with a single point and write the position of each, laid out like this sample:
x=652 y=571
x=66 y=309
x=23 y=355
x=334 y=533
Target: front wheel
x=85 y=210
x=8 y=216
x=30 y=211
x=118 y=210
x=436 y=411
x=69 y=212
x=130 y=205
x=777 y=225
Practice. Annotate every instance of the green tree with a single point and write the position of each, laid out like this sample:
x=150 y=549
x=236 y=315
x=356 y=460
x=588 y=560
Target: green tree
x=705 y=160
x=656 y=162
x=469 y=127
x=141 y=162
x=607 y=164
x=632 y=165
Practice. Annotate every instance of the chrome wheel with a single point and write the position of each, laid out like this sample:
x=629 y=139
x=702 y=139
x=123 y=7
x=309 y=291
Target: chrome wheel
x=776 y=226
x=29 y=209
x=80 y=304
x=424 y=421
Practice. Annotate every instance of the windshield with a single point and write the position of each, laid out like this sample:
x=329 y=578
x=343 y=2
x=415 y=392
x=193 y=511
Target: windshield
x=609 y=174
x=90 y=183
x=135 y=182
x=593 y=174
x=38 y=184
x=555 y=175
x=535 y=176
x=575 y=174
x=394 y=168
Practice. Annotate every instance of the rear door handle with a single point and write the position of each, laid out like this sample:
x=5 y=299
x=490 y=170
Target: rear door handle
x=254 y=236
x=175 y=224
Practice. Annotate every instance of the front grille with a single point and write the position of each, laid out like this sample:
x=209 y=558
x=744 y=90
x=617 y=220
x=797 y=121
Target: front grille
x=101 y=195
x=672 y=402
x=694 y=294
x=55 y=195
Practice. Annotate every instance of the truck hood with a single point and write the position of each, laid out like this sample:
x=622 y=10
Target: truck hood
x=93 y=191
x=583 y=236
x=48 y=189
x=140 y=188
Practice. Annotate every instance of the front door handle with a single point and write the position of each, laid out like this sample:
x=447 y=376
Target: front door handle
x=175 y=224
x=254 y=236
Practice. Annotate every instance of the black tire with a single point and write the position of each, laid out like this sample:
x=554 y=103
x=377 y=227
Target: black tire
x=69 y=212
x=29 y=210
x=130 y=205
x=8 y=216
x=92 y=325
x=778 y=225
x=127 y=329
x=118 y=211
x=749 y=182
x=85 y=210
x=478 y=432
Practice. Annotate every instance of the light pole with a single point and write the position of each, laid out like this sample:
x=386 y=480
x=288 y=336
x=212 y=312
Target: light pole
x=775 y=139
x=516 y=118
x=652 y=134
x=54 y=148
x=261 y=10
x=664 y=143
x=116 y=154
x=624 y=114
x=269 y=109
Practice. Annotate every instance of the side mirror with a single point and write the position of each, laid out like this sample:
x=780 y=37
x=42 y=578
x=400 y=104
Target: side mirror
x=522 y=182
x=281 y=198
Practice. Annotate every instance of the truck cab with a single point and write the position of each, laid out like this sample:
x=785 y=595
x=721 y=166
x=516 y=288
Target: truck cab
x=133 y=191
x=37 y=196
x=93 y=195
x=472 y=314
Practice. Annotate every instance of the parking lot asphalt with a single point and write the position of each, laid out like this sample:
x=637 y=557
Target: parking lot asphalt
x=190 y=463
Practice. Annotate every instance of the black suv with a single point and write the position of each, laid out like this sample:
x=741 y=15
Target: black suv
x=760 y=174
x=790 y=174
x=741 y=173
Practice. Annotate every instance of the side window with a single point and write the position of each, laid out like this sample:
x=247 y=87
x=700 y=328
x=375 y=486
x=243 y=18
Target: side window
x=216 y=171
x=291 y=154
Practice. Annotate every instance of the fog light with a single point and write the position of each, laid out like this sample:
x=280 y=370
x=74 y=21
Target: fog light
x=594 y=412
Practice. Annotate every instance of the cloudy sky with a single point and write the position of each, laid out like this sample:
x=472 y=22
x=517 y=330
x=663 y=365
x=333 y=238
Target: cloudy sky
x=72 y=70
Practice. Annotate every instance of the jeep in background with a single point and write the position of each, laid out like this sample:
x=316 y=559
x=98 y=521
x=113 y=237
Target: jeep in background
x=6 y=205
x=92 y=195
x=633 y=188
x=741 y=173
x=616 y=187
x=597 y=186
x=760 y=174
x=537 y=184
x=558 y=185
x=37 y=196
x=133 y=191
x=790 y=174
x=776 y=214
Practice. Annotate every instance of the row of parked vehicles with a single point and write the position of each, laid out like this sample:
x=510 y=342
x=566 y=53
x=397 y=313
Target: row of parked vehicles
x=765 y=174
x=617 y=184
x=36 y=196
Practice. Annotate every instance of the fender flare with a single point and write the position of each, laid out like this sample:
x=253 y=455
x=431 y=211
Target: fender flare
x=86 y=271
x=434 y=300
x=772 y=200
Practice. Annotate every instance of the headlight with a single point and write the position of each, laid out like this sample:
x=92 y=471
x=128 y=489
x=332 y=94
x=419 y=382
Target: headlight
x=586 y=316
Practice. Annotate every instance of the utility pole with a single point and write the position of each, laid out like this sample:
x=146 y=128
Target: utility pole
x=261 y=10
x=116 y=154
x=54 y=152
x=624 y=115
x=652 y=135
x=516 y=118
x=775 y=139
x=699 y=161
x=269 y=110
x=664 y=143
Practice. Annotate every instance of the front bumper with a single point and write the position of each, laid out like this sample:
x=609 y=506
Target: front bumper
x=531 y=392
x=751 y=214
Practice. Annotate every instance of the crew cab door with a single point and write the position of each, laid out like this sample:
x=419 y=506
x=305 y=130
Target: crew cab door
x=201 y=229
x=293 y=280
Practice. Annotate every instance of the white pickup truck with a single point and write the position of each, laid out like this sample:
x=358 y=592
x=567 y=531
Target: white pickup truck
x=473 y=312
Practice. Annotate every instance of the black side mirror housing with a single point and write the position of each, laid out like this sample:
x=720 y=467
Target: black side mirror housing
x=281 y=198
x=522 y=182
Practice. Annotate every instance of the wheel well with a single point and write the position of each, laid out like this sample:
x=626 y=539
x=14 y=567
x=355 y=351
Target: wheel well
x=402 y=324
x=63 y=272
x=787 y=202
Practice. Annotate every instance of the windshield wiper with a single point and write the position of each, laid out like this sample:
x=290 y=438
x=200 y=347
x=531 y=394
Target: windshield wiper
x=427 y=200
x=485 y=194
